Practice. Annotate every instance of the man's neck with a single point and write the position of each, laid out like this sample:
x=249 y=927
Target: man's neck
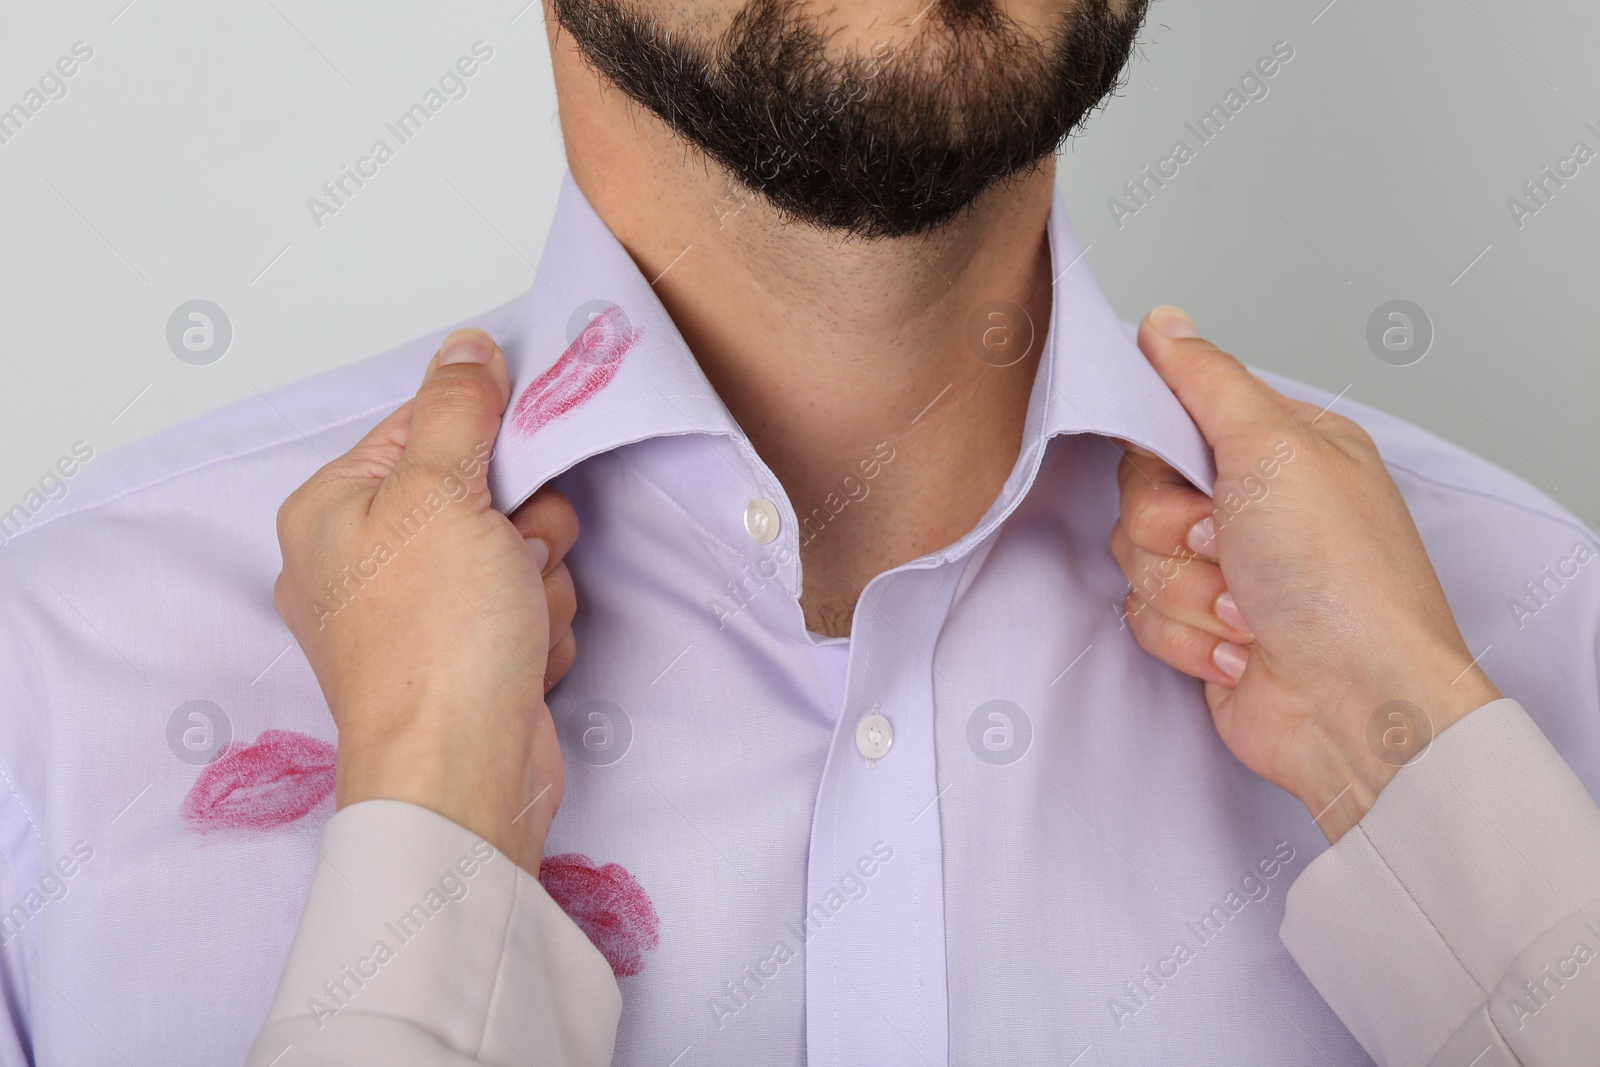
x=848 y=364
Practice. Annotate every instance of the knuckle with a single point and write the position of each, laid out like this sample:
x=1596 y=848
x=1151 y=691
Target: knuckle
x=287 y=519
x=549 y=516
x=1219 y=370
x=561 y=596
x=568 y=513
x=1122 y=549
x=1346 y=435
x=560 y=517
x=458 y=387
x=1358 y=433
x=561 y=659
x=1127 y=468
x=1222 y=363
x=293 y=520
x=1174 y=643
x=1148 y=517
x=1187 y=646
x=551 y=495
x=1150 y=587
x=1142 y=621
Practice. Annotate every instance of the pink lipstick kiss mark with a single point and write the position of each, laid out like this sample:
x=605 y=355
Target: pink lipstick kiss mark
x=607 y=904
x=271 y=783
x=586 y=367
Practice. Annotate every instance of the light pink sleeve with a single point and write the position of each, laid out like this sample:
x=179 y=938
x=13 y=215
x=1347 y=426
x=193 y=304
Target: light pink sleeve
x=422 y=945
x=1459 y=922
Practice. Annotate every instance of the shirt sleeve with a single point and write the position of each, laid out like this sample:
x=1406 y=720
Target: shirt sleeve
x=1459 y=921
x=421 y=944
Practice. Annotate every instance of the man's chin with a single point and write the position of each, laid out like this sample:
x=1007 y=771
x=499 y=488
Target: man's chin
x=893 y=140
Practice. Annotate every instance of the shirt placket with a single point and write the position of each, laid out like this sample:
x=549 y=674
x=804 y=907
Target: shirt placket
x=874 y=920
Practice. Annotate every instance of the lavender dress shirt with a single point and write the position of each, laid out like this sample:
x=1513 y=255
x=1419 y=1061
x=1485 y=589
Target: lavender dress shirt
x=1009 y=836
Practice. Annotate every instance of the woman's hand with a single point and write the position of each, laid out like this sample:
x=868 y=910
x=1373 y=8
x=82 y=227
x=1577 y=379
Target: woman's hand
x=434 y=624
x=1300 y=594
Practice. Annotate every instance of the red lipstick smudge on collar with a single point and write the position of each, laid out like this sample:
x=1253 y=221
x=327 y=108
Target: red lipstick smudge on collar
x=271 y=783
x=586 y=367
x=608 y=904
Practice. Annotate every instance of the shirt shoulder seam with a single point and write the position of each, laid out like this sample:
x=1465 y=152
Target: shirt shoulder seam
x=168 y=476
x=1568 y=521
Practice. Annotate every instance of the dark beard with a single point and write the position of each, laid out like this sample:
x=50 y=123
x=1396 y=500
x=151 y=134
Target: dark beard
x=880 y=145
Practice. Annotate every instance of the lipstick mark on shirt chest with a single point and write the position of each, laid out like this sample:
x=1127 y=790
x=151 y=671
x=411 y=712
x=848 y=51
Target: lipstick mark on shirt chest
x=586 y=367
x=271 y=783
x=608 y=904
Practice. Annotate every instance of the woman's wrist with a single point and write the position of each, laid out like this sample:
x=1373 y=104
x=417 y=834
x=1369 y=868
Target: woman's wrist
x=504 y=805
x=1348 y=772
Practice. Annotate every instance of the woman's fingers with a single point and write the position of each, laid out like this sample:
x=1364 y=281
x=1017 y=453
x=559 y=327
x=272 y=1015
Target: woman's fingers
x=1185 y=588
x=1161 y=510
x=562 y=657
x=376 y=454
x=562 y=597
x=548 y=516
x=549 y=526
x=1186 y=648
x=1178 y=606
x=1232 y=407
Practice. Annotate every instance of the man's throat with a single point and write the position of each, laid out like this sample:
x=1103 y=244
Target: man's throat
x=919 y=492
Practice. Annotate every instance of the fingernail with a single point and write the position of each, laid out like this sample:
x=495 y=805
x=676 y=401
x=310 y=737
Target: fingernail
x=1173 y=322
x=541 y=552
x=1203 y=537
x=1228 y=611
x=465 y=346
x=1230 y=659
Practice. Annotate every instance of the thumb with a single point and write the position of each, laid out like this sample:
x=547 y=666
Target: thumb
x=456 y=415
x=1229 y=404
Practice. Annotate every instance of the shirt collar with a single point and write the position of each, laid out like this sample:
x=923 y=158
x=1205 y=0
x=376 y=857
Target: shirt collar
x=596 y=363
x=1093 y=378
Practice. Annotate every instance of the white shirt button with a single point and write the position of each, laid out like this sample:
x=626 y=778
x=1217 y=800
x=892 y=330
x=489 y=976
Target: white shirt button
x=874 y=735
x=761 y=520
